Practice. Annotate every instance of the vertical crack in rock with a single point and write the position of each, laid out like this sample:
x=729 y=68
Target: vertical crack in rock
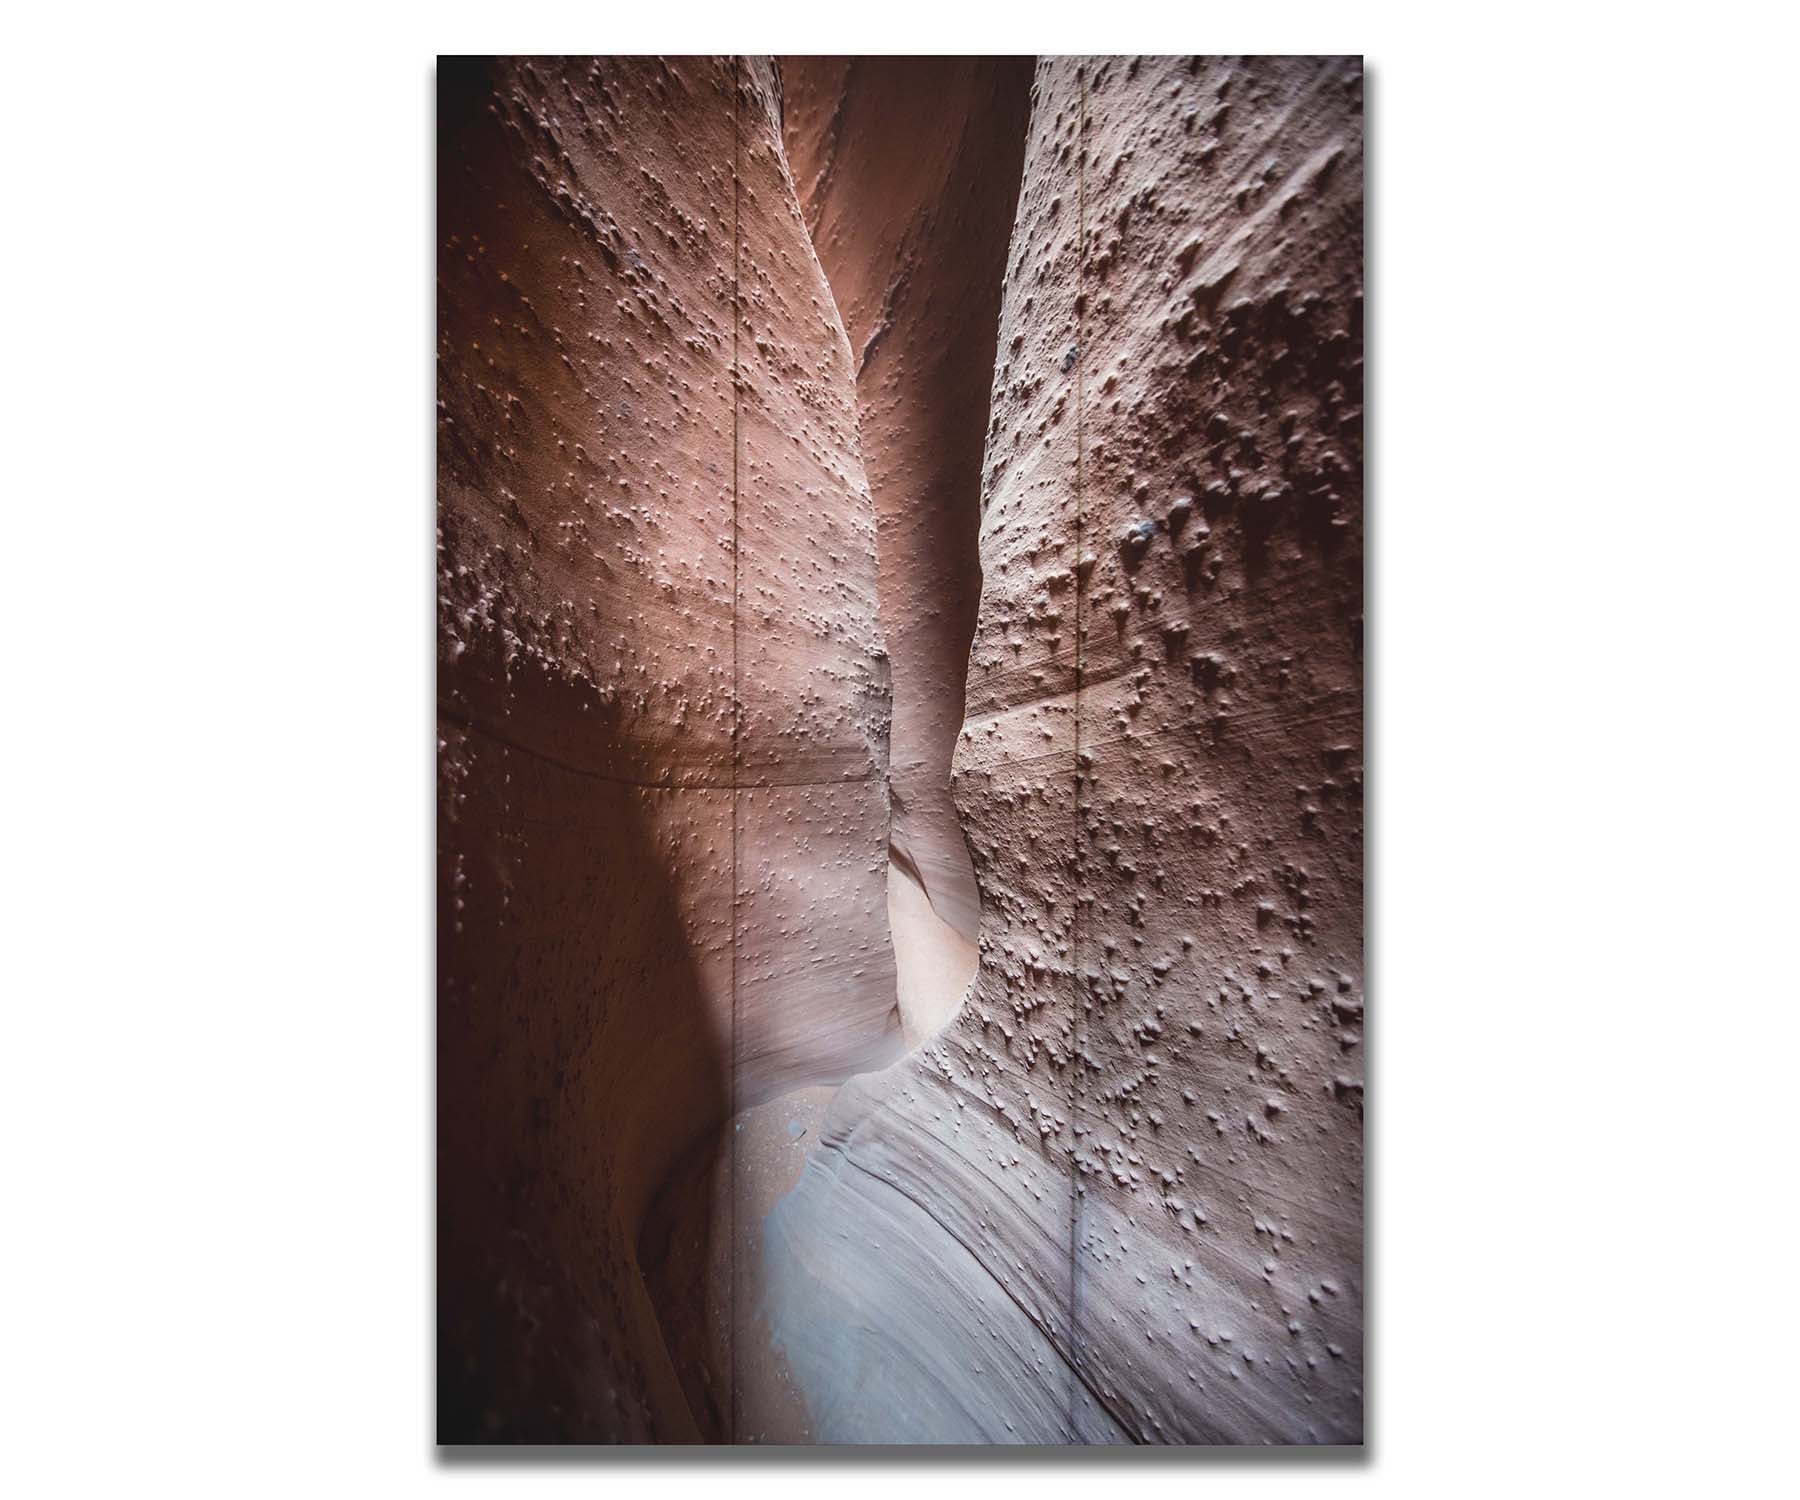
x=698 y=1363
x=1079 y=1124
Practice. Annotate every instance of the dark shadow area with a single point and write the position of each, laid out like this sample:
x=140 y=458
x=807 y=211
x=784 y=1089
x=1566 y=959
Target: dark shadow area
x=577 y=1065
x=579 y=1057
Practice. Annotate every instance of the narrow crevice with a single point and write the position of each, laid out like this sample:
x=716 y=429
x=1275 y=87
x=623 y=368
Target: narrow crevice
x=911 y=172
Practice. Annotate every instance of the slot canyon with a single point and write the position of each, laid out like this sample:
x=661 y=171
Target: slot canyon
x=899 y=588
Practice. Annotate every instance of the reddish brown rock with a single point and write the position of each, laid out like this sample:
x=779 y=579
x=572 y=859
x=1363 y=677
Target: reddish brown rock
x=908 y=171
x=661 y=681
x=1118 y=1198
x=1139 y=1147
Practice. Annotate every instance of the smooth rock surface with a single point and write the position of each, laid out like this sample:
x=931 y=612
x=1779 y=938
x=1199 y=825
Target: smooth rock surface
x=908 y=172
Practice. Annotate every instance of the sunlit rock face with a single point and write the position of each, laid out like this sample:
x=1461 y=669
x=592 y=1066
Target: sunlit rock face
x=662 y=708
x=1139 y=1145
x=1036 y=390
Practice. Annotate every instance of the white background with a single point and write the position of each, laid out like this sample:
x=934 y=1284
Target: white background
x=215 y=1072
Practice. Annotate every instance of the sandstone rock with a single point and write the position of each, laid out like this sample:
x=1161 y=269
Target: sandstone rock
x=662 y=704
x=1169 y=857
x=908 y=171
x=1102 y=322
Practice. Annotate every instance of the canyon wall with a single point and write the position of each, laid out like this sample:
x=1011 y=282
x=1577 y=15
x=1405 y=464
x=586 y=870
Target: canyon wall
x=1094 y=327
x=662 y=708
x=1119 y=1199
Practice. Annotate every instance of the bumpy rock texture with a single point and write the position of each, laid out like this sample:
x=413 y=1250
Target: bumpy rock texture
x=1101 y=317
x=663 y=713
